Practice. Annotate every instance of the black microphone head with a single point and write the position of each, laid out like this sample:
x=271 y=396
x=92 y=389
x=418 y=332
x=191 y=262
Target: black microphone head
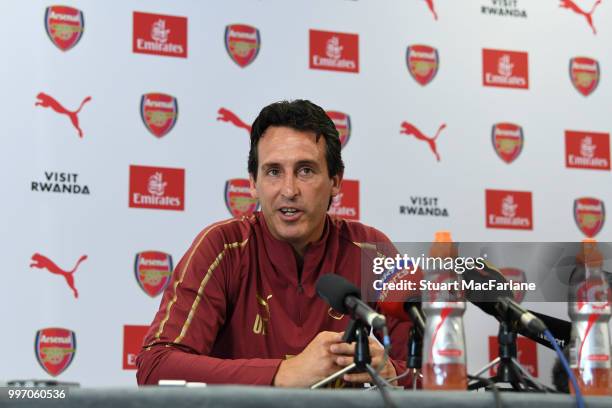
x=334 y=289
x=486 y=300
x=411 y=301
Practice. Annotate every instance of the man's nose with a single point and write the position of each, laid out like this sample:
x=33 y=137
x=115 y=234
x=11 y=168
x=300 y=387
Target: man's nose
x=290 y=188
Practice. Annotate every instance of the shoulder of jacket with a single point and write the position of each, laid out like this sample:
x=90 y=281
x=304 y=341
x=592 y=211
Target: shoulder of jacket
x=357 y=232
x=226 y=233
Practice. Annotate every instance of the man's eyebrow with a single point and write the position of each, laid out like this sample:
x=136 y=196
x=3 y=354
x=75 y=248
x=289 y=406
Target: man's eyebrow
x=312 y=163
x=270 y=164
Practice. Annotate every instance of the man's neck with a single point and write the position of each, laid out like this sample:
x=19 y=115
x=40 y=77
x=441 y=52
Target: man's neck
x=299 y=250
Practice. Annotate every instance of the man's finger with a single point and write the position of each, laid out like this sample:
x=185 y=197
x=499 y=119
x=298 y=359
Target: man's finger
x=343 y=348
x=331 y=369
x=357 y=378
x=343 y=361
x=374 y=344
x=365 y=377
x=330 y=337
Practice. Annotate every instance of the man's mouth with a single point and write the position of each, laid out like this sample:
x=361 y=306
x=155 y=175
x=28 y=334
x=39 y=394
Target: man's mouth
x=290 y=213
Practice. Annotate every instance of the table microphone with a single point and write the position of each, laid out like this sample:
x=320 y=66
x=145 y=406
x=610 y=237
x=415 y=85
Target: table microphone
x=344 y=297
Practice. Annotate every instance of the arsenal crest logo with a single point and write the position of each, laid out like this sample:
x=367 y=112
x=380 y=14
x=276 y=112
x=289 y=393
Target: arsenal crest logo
x=422 y=61
x=242 y=43
x=153 y=270
x=507 y=141
x=342 y=121
x=55 y=349
x=516 y=276
x=64 y=26
x=584 y=73
x=590 y=215
x=238 y=198
x=159 y=113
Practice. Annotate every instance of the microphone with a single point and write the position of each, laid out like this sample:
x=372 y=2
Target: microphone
x=405 y=304
x=486 y=300
x=345 y=298
x=408 y=310
x=559 y=328
x=500 y=303
x=510 y=310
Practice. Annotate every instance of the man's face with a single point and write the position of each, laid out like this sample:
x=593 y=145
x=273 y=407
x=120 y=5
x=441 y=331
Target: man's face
x=293 y=185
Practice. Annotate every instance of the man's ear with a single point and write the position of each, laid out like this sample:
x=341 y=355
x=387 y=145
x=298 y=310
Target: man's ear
x=336 y=183
x=252 y=187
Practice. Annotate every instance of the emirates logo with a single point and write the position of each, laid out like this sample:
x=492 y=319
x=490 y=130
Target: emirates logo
x=334 y=49
x=159 y=32
x=508 y=207
x=159 y=188
x=506 y=69
x=346 y=203
x=504 y=66
x=587 y=148
x=157 y=185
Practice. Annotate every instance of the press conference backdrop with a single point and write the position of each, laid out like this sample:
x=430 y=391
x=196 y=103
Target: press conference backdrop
x=125 y=132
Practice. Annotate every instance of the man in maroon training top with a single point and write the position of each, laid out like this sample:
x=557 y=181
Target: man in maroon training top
x=242 y=307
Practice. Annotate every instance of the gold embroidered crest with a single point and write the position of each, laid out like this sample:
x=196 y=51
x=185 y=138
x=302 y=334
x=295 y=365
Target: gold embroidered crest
x=260 y=326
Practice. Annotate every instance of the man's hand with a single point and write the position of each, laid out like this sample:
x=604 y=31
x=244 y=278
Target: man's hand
x=313 y=364
x=344 y=356
x=325 y=355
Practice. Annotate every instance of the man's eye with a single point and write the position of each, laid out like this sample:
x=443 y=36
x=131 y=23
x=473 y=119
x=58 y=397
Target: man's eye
x=273 y=172
x=306 y=171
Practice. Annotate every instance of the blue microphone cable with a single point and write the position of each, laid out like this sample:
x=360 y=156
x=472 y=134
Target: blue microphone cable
x=570 y=373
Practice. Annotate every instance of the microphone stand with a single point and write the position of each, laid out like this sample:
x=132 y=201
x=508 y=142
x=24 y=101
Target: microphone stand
x=415 y=355
x=509 y=370
x=357 y=332
x=415 y=342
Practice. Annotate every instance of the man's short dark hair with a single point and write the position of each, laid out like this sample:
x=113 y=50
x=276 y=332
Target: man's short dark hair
x=300 y=115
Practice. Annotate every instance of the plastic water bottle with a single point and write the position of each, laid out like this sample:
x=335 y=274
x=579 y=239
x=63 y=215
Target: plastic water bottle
x=589 y=310
x=444 y=360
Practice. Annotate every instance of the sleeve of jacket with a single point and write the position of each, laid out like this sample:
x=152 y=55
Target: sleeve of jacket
x=192 y=311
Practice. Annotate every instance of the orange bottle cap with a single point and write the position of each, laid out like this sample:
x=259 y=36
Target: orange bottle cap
x=590 y=253
x=589 y=244
x=443 y=236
